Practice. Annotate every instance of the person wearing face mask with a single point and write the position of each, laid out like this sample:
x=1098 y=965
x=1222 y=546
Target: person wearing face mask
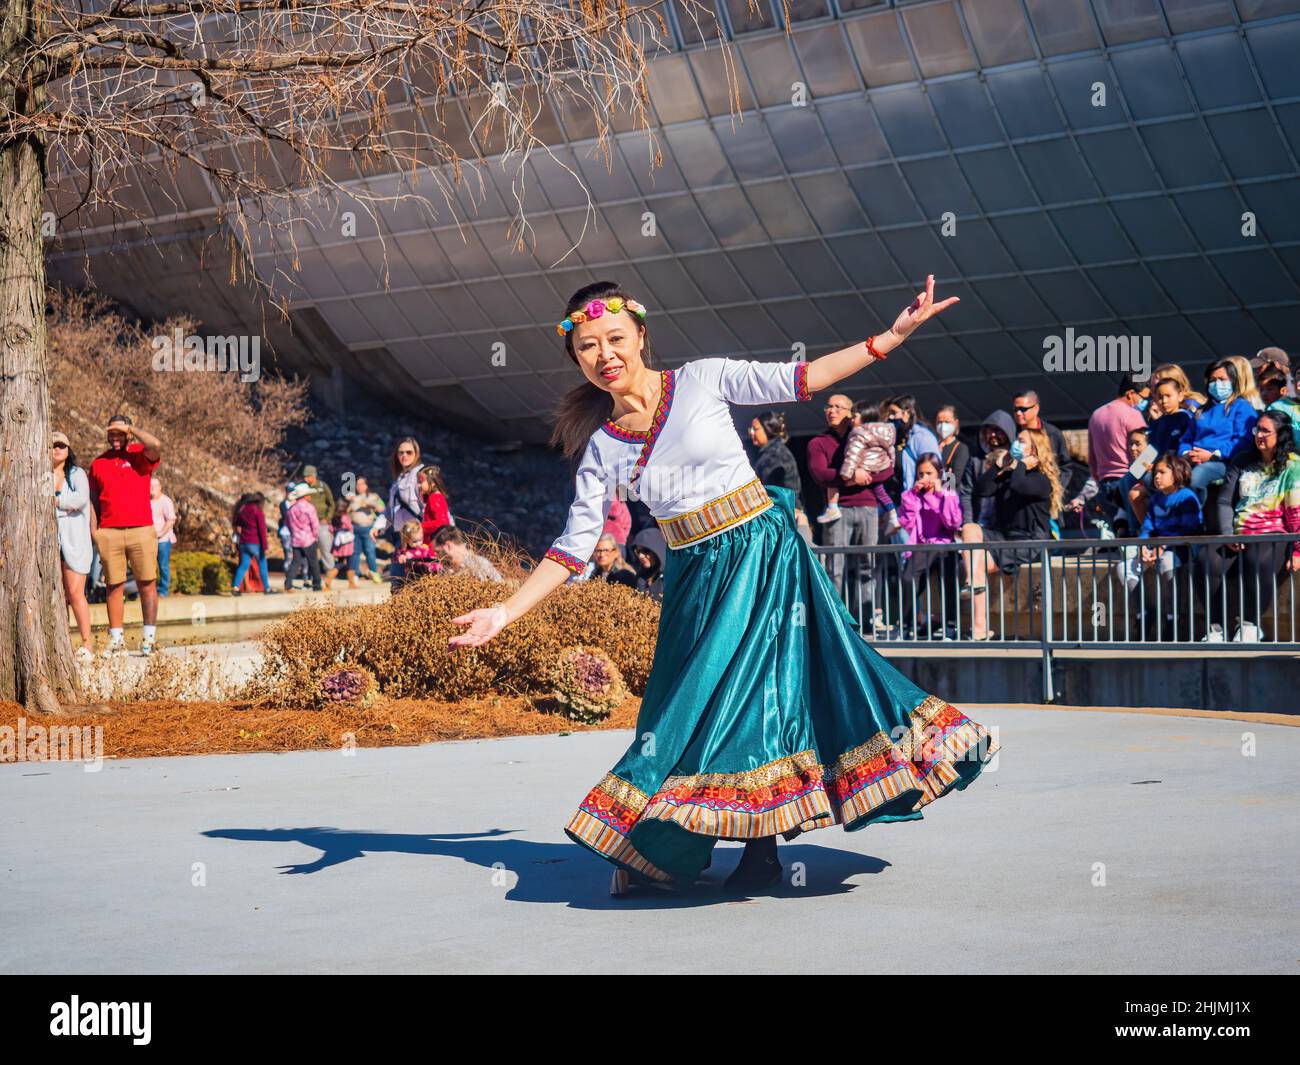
x=955 y=454
x=1026 y=409
x=1221 y=430
x=977 y=510
x=912 y=439
x=1025 y=488
x=1246 y=377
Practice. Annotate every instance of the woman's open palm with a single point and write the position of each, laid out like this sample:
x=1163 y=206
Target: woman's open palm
x=483 y=625
x=921 y=309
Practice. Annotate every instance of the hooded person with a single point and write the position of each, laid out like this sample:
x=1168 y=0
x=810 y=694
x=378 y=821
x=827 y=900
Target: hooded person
x=996 y=433
x=977 y=513
x=650 y=578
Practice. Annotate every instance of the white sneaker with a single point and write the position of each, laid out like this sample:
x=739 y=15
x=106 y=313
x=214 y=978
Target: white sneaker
x=1247 y=633
x=85 y=654
x=829 y=515
x=115 y=649
x=146 y=648
x=1215 y=635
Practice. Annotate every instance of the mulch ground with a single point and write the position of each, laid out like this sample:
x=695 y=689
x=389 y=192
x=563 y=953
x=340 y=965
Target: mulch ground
x=153 y=729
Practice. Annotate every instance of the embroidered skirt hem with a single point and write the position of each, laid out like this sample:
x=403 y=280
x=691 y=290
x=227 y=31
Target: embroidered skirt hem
x=766 y=712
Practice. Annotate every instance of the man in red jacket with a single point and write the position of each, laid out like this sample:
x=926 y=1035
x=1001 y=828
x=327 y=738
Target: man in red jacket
x=859 y=523
x=119 y=487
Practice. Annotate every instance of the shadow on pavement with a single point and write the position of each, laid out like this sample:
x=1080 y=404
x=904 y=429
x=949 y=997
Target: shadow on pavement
x=565 y=872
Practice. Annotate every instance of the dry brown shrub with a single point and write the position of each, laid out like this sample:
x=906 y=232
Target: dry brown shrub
x=165 y=675
x=403 y=642
x=221 y=436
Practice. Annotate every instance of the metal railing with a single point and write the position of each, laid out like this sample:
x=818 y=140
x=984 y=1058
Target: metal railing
x=1200 y=593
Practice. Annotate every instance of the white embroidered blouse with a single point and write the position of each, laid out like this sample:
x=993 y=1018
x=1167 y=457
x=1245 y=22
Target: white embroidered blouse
x=690 y=455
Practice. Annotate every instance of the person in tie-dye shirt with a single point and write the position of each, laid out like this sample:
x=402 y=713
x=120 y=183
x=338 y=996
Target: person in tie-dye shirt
x=1260 y=495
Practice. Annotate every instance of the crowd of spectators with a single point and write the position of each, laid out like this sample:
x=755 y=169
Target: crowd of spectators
x=1160 y=459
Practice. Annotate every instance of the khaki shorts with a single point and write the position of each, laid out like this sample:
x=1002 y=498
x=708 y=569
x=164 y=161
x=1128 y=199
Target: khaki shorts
x=137 y=545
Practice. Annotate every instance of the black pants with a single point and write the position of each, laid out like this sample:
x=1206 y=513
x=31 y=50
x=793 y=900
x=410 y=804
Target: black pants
x=930 y=584
x=1258 y=570
x=305 y=561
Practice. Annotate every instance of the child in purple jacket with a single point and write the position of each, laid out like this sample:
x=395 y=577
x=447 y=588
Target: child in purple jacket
x=930 y=514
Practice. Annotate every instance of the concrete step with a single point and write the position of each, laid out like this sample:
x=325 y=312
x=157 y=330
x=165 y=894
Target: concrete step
x=198 y=609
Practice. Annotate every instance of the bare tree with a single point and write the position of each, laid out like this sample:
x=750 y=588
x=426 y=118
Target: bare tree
x=261 y=100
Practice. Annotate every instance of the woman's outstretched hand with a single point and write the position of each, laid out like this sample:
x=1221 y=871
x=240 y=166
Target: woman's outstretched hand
x=921 y=309
x=483 y=625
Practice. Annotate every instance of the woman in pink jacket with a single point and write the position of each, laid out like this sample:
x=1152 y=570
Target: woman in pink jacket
x=304 y=529
x=930 y=515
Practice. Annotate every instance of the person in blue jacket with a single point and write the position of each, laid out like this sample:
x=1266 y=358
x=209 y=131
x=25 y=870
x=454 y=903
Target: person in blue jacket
x=1221 y=429
x=1174 y=511
x=1169 y=424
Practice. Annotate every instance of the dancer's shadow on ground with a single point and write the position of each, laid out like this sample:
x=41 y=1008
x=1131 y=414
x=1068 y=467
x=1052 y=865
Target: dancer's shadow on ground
x=565 y=872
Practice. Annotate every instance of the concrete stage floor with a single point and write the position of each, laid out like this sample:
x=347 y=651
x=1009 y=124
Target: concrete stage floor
x=451 y=858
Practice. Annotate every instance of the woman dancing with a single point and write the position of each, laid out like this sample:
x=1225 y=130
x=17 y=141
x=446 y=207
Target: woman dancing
x=765 y=713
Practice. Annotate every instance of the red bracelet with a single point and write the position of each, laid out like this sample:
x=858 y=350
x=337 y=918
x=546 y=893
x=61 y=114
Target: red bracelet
x=871 y=349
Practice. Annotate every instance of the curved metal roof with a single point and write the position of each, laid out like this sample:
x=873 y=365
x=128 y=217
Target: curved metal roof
x=1098 y=164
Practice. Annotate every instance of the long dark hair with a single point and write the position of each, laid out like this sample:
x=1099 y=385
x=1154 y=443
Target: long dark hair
x=907 y=403
x=1285 y=442
x=433 y=474
x=583 y=409
x=395 y=463
x=1230 y=368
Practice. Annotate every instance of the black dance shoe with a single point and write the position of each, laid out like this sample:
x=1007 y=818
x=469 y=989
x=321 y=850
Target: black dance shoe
x=758 y=868
x=754 y=876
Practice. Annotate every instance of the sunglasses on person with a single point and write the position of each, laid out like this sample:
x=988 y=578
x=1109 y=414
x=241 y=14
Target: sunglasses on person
x=1024 y=410
x=58 y=447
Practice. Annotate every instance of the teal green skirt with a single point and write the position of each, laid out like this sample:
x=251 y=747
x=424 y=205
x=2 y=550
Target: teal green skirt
x=766 y=713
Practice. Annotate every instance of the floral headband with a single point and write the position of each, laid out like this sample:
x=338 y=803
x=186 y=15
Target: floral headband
x=596 y=308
